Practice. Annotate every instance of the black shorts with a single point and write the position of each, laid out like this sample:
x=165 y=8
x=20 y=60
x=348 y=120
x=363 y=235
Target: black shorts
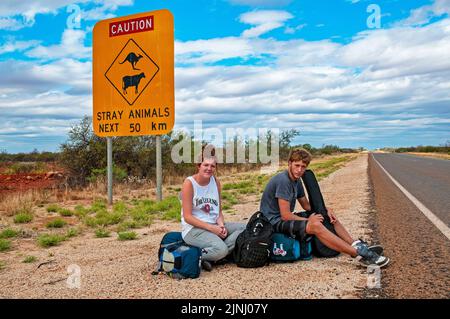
x=294 y=228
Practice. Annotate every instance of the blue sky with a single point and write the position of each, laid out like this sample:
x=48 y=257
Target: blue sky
x=323 y=67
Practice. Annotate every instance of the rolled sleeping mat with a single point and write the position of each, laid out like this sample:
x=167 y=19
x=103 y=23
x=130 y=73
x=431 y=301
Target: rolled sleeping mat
x=318 y=206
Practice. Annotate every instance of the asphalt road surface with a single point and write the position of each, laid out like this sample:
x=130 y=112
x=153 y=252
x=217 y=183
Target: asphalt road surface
x=419 y=251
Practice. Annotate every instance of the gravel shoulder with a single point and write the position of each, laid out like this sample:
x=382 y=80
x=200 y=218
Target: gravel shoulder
x=114 y=269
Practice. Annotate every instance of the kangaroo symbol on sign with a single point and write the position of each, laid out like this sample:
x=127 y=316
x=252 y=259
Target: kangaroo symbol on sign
x=133 y=59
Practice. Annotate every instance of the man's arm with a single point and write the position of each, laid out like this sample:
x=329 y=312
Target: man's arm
x=304 y=203
x=285 y=211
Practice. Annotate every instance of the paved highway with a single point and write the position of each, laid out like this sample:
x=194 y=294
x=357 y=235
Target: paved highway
x=420 y=250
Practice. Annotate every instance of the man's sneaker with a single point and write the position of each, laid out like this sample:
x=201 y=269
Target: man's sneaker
x=378 y=249
x=369 y=257
x=206 y=265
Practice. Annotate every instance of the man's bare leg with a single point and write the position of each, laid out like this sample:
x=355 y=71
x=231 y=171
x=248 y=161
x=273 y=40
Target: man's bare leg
x=343 y=233
x=329 y=239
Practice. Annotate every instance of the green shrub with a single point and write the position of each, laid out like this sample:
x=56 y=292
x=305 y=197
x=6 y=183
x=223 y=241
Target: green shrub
x=240 y=185
x=140 y=216
x=53 y=208
x=172 y=214
x=90 y=221
x=8 y=233
x=103 y=218
x=167 y=203
x=98 y=205
x=102 y=233
x=119 y=174
x=120 y=207
x=23 y=217
x=57 y=223
x=65 y=212
x=26 y=168
x=48 y=240
x=229 y=198
x=72 y=232
x=127 y=235
x=29 y=259
x=129 y=224
x=4 y=244
x=80 y=211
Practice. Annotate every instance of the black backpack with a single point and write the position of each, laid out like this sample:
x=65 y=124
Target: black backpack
x=318 y=206
x=253 y=245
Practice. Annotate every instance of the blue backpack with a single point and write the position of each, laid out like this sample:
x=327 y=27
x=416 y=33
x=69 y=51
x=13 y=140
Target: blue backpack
x=286 y=248
x=177 y=259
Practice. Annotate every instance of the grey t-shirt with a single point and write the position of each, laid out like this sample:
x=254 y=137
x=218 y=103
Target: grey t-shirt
x=280 y=186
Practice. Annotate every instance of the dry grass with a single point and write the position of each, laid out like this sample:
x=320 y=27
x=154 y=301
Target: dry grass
x=15 y=203
x=434 y=155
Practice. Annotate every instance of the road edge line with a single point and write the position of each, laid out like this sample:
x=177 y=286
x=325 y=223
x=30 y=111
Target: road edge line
x=428 y=213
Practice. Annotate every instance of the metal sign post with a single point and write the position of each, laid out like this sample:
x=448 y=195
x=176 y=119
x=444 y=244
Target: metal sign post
x=109 y=169
x=158 y=169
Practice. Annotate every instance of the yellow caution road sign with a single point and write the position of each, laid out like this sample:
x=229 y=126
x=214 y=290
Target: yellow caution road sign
x=133 y=75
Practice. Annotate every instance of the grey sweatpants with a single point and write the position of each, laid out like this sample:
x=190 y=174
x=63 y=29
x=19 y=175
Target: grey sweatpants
x=213 y=247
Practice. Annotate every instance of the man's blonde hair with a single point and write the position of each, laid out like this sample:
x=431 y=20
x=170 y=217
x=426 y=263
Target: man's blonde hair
x=300 y=154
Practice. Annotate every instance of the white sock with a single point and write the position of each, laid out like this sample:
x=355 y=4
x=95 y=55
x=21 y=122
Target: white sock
x=355 y=243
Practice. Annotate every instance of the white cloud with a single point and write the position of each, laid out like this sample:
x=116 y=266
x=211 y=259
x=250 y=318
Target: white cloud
x=72 y=45
x=29 y=78
x=213 y=50
x=264 y=21
x=105 y=10
x=400 y=51
x=291 y=30
x=383 y=84
x=29 y=9
x=12 y=24
x=391 y=83
x=17 y=46
x=424 y=14
x=10 y=9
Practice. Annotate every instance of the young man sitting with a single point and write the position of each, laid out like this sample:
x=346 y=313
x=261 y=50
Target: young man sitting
x=278 y=203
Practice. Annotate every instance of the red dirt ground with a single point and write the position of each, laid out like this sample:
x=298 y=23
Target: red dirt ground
x=12 y=183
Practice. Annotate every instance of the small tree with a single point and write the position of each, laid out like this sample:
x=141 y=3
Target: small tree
x=83 y=151
x=286 y=138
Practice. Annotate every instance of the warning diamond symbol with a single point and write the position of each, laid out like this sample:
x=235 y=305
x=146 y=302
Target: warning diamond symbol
x=131 y=71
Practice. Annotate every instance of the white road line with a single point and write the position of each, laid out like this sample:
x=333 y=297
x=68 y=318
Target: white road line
x=428 y=214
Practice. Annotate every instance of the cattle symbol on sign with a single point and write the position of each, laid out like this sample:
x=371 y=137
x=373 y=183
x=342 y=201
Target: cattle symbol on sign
x=122 y=72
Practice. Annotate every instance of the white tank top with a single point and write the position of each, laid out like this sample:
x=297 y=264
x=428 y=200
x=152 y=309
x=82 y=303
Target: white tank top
x=205 y=204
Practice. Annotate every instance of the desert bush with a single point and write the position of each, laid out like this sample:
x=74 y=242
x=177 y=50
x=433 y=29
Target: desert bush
x=29 y=259
x=53 y=208
x=56 y=223
x=102 y=233
x=5 y=244
x=9 y=233
x=23 y=217
x=127 y=235
x=65 y=212
x=48 y=240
